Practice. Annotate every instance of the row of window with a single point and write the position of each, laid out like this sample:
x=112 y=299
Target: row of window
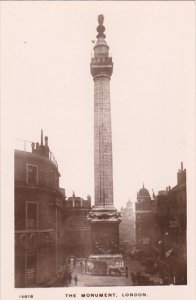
x=77 y=204
x=32 y=216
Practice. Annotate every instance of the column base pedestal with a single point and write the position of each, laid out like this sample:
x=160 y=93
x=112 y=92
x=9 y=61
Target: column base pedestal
x=105 y=264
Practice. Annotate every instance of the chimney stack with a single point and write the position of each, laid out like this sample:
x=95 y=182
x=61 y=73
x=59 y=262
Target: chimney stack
x=41 y=137
x=46 y=141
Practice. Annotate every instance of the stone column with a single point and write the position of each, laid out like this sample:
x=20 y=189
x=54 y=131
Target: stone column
x=104 y=218
x=103 y=175
x=101 y=70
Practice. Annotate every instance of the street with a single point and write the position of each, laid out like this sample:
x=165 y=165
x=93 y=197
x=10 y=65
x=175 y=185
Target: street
x=115 y=280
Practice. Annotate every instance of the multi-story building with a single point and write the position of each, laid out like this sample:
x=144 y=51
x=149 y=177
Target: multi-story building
x=75 y=234
x=38 y=200
x=172 y=220
x=146 y=223
x=127 y=228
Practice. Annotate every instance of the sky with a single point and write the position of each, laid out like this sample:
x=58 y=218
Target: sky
x=46 y=84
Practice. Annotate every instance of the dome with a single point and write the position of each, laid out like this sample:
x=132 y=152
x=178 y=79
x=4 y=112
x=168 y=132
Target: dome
x=143 y=194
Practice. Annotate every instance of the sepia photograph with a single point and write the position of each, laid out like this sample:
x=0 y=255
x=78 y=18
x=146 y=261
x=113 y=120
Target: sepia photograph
x=98 y=149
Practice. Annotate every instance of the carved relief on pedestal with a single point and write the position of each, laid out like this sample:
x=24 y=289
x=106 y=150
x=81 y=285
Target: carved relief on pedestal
x=106 y=245
x=96 y=216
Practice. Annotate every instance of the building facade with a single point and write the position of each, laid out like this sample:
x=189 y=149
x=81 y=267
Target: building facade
x=146 y=222
x=38 y=201
x=161 y=226
x=172 y=222
x=75 y=233
x=127 y=228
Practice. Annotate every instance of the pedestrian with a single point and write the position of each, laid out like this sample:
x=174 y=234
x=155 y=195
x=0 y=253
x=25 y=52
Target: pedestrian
x=74 y=262
x=166 y=280
x=58 y=280
x=126 y=271
x=70 y=277
x=76 y=279
x=81 y=265
x=147 y=278
x=160 y=280
x=85 y=265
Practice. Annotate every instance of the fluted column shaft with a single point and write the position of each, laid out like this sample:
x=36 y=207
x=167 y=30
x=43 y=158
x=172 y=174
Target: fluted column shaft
x=103 y=171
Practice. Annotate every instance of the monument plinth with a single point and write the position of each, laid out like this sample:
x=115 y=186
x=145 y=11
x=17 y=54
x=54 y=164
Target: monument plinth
x=104 y=218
